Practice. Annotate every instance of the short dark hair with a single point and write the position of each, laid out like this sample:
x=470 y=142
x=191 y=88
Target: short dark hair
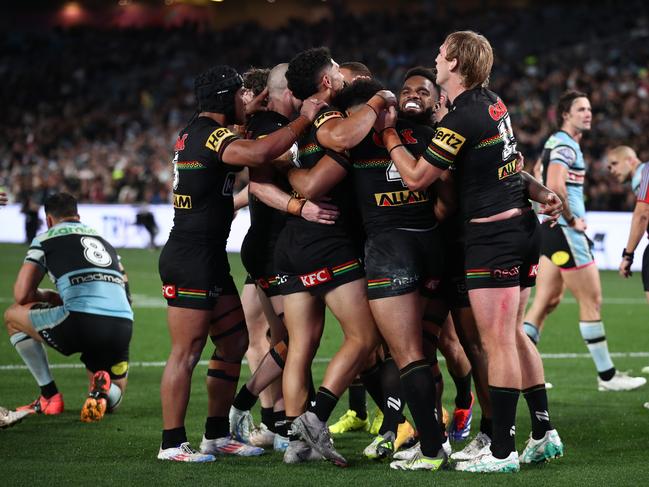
x=424 y=72
x=305 y=69
x=255 y=79
x=356 y=93
x=61 y=205
x=358 y=69
x=565 y=102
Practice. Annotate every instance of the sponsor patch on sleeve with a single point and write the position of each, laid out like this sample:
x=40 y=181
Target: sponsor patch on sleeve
x=448 y=140
x=563 y=154
x=216 y=138
x=326 y=116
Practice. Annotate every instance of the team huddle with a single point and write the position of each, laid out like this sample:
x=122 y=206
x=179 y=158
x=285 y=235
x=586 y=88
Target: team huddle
x=408 y=216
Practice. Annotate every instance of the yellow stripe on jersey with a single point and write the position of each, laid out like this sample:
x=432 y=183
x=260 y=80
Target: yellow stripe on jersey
x=448 y=140
x=326 y=116
x=216 y=138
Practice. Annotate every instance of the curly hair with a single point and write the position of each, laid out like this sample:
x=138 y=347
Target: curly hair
x=356 y=93
x=424 y=72
x=305 y=69
x=255 y=79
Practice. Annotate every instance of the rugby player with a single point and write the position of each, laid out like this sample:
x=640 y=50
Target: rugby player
x=623 y=163
x=476 y=137
x=566 y=257
x=89 y=314
x=319 y=265
x=3 y=198
x=269 y=200
x=201 y=296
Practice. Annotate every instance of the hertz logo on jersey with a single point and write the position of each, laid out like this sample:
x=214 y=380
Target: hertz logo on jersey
x=400 y=198
x=216 y=138
x=508 y=169
x=182 y=201
x=448 y=140
x=326 y=116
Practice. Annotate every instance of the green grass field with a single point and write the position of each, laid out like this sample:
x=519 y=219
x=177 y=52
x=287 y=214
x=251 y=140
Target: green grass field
x=606 y=434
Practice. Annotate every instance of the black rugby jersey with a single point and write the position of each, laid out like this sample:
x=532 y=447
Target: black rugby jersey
x=267 y=222
x=384 y=199
x=310 y=152
x=476 y=137
x=202 y=186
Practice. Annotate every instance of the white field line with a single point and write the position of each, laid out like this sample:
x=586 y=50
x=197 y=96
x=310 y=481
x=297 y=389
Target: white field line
x=324 y=360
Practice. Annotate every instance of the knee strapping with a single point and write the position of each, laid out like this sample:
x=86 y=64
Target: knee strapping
x=279 y=352
x=224 y=369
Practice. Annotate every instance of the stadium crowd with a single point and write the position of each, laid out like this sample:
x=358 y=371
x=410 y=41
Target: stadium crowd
x=97 y=117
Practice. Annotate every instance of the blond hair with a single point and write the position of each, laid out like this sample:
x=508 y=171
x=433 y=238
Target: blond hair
x=474 y=56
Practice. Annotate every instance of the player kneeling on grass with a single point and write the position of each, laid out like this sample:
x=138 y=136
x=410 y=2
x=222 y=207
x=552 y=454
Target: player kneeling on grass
x=89 y=314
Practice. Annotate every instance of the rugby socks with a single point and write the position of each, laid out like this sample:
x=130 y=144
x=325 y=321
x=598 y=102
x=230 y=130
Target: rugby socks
x=419 y=391
x=245 y=400
x=486 y=426
x=357 y=399
x=268 y=418
x=173 y=438
x=371 y=379
x=537 y=402
x=288 y=428
x=503 y=402
x=217 y=427
x=532 y=332
x=325 y=402
x=33 y=354
x=279 y=418
x=462 y=391
x=114 y=397
x=593 y=334
x=439 y=390
x=393 y=396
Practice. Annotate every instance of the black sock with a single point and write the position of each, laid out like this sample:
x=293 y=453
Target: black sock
x=439 y=390
x=312 y=393
x=371 y=379
x=49 y=390
x=357 y=399
x=486 y=427
x=217 y=427
x=419 y=391
x=288 y=422
x=607 y=374
x=173 y=437
x=244 y=400
x=278 y=417
x=503 y=402
x=537 y=402
x=462 y=391
x=393 y=397
x=325 y=402
x=268 y=418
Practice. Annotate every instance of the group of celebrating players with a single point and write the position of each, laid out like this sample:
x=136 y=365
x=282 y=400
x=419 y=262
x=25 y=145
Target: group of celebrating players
x=409 y=217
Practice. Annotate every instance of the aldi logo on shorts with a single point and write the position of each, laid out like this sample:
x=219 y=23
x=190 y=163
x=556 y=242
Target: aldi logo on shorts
x=315 y=278
x=169 y=291
x=534 y=270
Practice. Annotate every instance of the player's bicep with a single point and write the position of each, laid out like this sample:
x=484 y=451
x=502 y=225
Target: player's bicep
x=557 y=174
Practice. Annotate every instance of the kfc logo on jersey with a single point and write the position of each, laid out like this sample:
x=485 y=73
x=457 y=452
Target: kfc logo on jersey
x=534 y=270
x=169 y=291
x=315 y=278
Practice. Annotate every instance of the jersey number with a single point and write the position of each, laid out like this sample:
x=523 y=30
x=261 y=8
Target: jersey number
x=507 y=136
x=176 y=173
x=95 y=252
x=392 y=174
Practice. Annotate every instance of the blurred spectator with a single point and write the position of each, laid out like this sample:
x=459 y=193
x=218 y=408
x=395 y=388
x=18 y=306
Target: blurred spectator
x=98 y=117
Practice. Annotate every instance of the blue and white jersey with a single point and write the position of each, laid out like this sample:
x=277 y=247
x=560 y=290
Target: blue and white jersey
x=640 y=182
x=560 y=148
x=84 y=267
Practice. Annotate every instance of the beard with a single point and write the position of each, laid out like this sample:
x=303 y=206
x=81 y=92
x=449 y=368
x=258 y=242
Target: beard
x=421 y=118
